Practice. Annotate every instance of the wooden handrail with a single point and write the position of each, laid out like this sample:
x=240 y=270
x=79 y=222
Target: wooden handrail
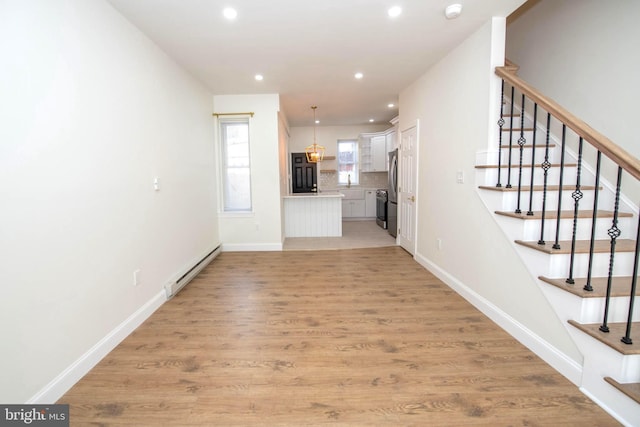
x=616 y=153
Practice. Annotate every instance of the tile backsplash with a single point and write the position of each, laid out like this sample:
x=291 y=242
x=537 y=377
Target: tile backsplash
x=329 y=180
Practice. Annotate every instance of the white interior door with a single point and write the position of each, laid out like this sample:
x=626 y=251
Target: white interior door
x=407 y=186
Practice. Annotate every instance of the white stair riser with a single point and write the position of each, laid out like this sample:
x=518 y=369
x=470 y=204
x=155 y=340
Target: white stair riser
x=542 y=264
x=489 y=176
x=587 y=310
x=516 y=120
x=602 y=361
x=531 y=229
x=559 y=265
x=605 y=361
x=550 y=200
x=593 y=310
x=527 y=154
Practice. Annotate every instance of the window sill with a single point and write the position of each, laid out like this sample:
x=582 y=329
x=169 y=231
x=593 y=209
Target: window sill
x=236 y=214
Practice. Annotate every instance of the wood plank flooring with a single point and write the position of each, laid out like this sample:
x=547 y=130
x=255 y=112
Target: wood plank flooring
x=344 y=337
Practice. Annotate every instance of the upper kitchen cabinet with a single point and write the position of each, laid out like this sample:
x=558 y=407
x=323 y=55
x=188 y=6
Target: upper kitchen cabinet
x=374 y=149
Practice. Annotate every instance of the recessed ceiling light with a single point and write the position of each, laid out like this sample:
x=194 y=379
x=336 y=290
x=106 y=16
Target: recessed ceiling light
x=394 y=12
x=317 y=121
x=371 y=120
x=391 y=105
x=230 y=13
x=358 y=75
x=453 y=11
x=259 y=77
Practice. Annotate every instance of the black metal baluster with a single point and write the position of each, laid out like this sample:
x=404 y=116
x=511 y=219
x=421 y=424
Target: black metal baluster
x=545 y=167
x=521 y=142
x=627 y=338
x=577 y=195
x=533 y=158
x=556 y=244
x=594 y=218
x=614 y=233
x=510 y=139
x=500 y=124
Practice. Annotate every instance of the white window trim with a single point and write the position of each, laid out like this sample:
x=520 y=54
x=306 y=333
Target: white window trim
x=220 y=173
x=357 y=162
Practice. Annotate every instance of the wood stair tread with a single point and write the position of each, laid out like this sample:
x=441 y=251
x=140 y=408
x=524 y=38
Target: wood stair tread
x=537 y=215
x=630 y=389
x=515 y=145
x=553 y=165
x=612 y=338
x=620 y=286
x=582 y=246
x=506 y=189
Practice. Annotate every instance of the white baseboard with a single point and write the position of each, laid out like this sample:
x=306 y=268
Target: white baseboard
x=568 y=367
x=67 y=378
x=251 y=247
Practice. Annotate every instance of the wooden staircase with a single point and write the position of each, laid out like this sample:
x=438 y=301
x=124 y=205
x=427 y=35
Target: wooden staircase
x=563 y=265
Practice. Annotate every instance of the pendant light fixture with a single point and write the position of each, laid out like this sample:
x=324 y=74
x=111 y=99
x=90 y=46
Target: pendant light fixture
x=315 y=152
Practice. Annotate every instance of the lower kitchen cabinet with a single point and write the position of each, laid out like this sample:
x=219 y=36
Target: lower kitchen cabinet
x=353 y=208
x=370 y=203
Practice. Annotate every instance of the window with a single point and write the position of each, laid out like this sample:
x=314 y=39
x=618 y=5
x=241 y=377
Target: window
x=347 y=162
x=236 y=167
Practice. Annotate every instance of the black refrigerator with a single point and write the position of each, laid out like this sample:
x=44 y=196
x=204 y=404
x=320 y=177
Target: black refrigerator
x=392 y=205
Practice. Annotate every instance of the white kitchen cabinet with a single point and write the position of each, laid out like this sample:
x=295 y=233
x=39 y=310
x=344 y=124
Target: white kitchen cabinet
x=370 y=203
x=378 y=153
x=354 y=208
x=374 y=150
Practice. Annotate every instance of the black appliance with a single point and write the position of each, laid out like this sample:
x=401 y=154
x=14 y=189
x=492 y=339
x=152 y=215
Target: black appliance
x=392 y=205
x=381 y=208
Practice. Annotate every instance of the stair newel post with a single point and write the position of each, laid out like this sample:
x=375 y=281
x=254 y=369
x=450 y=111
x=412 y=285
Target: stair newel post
x=500 y=125
x=587 y=287
x=510 y=138
x=634 y=279
x=614 y=233
x=545 y=167
x=521 y=142
x=533 y=158
x=556 y=244
x=576 y=195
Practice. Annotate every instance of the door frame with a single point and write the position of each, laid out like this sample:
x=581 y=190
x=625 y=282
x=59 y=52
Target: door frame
x=413 y=124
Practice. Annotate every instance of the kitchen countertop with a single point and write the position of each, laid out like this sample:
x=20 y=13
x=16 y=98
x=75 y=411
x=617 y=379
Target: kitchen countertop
x=314 y=195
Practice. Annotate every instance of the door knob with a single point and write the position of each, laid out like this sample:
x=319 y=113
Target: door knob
x=412 y=198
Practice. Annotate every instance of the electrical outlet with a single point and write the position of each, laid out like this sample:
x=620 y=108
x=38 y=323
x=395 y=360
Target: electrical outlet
x=136 y=278
x=460 y=177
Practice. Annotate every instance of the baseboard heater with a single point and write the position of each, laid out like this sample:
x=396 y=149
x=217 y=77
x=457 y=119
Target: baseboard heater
x=174 y=286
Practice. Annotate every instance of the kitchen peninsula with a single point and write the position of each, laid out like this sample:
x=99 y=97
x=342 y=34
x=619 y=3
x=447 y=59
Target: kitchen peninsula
x=313 y=214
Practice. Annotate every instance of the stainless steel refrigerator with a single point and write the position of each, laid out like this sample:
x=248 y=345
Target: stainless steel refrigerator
x=392 y=204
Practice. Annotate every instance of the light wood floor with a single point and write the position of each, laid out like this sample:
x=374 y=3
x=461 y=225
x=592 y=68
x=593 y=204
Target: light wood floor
x=362 y=337
x=355 y=235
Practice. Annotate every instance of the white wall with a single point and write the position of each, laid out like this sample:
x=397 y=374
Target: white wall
x=584 y=55
x=91 y=112
x=451 y=101
x=262 y=228
x=327 y=136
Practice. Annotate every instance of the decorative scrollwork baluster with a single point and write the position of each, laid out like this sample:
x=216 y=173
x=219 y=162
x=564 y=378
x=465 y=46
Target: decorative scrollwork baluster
x=545 y=167
x=500 y=125
x=521 y=142
x=577 y=196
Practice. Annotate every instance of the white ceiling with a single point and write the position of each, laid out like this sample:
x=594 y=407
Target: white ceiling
x=309 y=50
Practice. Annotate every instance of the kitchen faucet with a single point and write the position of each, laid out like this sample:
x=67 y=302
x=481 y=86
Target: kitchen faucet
x=349 y=181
